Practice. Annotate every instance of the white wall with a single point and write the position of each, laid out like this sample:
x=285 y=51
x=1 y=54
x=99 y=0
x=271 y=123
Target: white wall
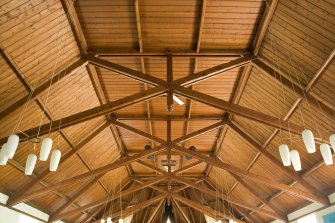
x=318 y=209
x=17 y=215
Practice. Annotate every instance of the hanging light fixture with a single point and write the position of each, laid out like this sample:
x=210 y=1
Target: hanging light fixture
x=326 y=153
x=30 y=164
x=218 y=221
x=308 y=139
x=121 y=220
x=295 y=159
x=12 y=144
x=109 y=220
x=168 y=220
x=3 y=155
x=54 y=160
x=45 y=149
x=102 y=220
x=332 y=141
x=285 y=154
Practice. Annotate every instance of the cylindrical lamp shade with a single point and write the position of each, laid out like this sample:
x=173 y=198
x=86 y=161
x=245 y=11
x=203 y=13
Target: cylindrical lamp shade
x=285 y=154
x=326 y=153
x=332 y=141
x=109 y=220
x=120 y=220
x=45 y=149
x=102 y=221
x=3 y=155
x=308 y=139
x=12 y=144
x=295 y=159
x=30 y=164
x=54 y=160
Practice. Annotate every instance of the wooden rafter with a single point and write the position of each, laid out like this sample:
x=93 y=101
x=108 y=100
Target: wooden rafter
x=104 y=200
x=274 y=161
x=288 y=83
x=180 y=209
x=204 y=209
x=269 y=182
x=155 y=211
x=215 y=193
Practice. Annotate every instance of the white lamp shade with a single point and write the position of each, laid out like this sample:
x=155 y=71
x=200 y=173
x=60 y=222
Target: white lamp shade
x=326 y=153
x=295 y=159
x=109 y=220
x=12 y=144
x=3 y=155
x=332 y=141
x=285 y=154
x=102 y=221
x=30 y=164
x=308 y=138
x=45 y=149
x=54 y=160
x=120 y=220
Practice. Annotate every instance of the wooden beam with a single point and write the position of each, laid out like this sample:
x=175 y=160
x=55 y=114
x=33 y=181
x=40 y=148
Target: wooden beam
x=228 y=199
x=204 y=209
x=304 y=95
x=133 y=74
x=104 y=200
x=320 y=71
x=169 y=78
x=260 y=179
x=84 y=176
x=90 y=113
x=263 y=26
x=72 y=68
x=65 y=157
x=239 y=110
x=119 y=52
x=275 y=161
x=155 y=211
x=259 y=196
x=187 y=167
x=180 y=209
x=213 y=71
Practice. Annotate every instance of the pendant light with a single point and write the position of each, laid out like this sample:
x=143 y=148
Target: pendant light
x=3 y=155
x=102 y=220
x=168 y=220
x=54 y=160
x=12 y=144
x=326 y=153
x=121 y=220
x=295 y=159
x=332 y=141
x=308 y=139
x=285 y=154
x=218 y=221
x=45 y=149
x=109 y=220
x=30 y=164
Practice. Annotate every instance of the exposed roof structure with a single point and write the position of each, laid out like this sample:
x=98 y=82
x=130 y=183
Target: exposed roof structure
x=99 y=77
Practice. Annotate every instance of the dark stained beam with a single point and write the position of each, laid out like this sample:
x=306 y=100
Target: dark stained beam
x=239 y=110
x=275 y=161
x=257 y=178
x=104 y=200
x=204 y=209
x=228 y=199
x=90 y=113
x=213 y=71
x=304 y=95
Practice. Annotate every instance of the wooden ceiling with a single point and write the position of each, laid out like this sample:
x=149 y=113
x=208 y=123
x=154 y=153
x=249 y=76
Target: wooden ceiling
x=98 y=70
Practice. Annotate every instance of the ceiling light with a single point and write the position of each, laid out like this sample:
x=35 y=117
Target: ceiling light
x=3 y=155
x=326 y=153
x=54 y=160
x=308 y=139
x=109 y=220
x=285 y=154
x=295 y=158
x=12 y=144
x=102 y=221
x=45 y=149
x=30 y=164
x=176 y=99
